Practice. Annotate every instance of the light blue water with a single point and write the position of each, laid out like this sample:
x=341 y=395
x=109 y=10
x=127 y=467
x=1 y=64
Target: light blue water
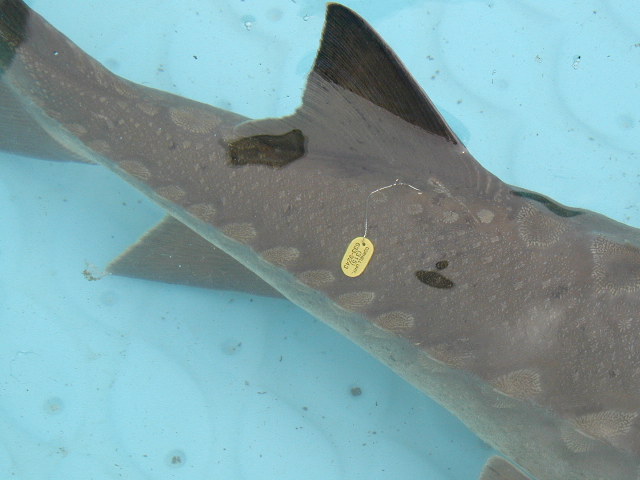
x=120 y=378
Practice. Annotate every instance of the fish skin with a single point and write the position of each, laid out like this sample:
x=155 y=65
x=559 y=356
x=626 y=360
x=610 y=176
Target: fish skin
x=499 y=469
x=439 y=361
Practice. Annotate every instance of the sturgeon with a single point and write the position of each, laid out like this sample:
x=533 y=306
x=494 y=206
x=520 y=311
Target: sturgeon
x=514 y=312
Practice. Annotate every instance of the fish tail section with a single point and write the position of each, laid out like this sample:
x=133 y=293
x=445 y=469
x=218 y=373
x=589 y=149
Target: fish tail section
x=20 y=133
x=14 y=15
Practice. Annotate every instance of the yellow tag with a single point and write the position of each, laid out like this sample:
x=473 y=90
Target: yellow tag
x=357 y=256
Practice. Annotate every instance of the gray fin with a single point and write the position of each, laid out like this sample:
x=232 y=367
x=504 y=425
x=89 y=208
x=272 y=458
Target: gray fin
x=497 y=468
x=353 y=56
x=353 y=60
x=14 y=18
x=173 y=253
x=20 y=133
x=24 y=136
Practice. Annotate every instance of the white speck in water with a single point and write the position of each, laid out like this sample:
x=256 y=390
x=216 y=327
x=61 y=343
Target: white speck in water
x=248 y=22
x=576 y=61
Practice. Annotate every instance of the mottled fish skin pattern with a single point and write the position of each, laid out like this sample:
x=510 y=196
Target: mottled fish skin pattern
x=519 y=315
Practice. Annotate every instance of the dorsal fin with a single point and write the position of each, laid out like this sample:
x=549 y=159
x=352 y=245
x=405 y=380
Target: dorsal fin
x=354 y=56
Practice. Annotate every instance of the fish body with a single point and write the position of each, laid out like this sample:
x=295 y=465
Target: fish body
x=511 y=310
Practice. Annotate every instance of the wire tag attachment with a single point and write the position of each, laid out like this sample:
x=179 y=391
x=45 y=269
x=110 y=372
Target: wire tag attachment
x=360 y=250
x=357 y=256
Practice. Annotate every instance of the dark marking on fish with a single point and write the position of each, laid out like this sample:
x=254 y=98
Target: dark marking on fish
x=270 y=150
x=434 y=279
x=442 y=264
x=552 y=206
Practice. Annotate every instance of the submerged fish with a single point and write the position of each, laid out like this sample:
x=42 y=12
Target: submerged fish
x=515 y=312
